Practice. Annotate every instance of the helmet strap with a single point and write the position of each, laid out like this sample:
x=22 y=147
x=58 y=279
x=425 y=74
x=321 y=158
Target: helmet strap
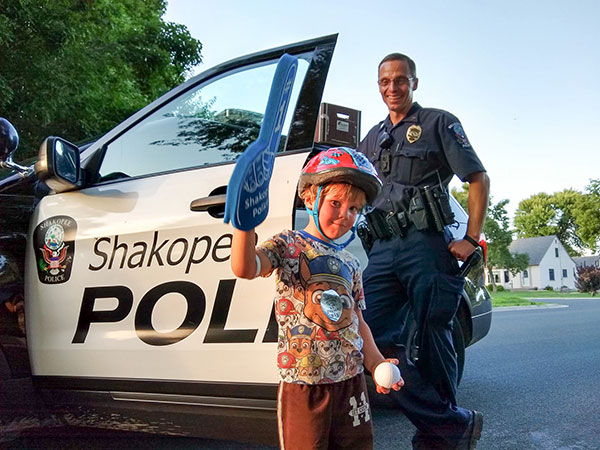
x=314 y=213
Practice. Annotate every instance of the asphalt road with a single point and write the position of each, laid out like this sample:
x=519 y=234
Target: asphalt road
x=536 y=378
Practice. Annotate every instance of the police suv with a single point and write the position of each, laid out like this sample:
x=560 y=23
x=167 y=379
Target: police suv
x=117 y=257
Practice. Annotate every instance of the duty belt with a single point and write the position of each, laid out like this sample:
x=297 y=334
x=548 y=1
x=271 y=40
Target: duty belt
x=428 y=210
x=381 y=226
x=385 y=226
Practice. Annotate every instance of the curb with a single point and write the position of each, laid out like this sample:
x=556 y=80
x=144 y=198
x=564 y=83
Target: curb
x=528 y=307
x=549 y=299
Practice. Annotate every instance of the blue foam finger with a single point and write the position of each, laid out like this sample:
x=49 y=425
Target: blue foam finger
x=247 y=201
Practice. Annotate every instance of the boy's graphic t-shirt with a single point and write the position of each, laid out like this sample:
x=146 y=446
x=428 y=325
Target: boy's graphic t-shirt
x=318 y=288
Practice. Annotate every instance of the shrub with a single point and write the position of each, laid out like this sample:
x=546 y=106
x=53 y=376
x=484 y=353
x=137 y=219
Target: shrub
x=548 y=288
x=588 y=279
x=497 y=288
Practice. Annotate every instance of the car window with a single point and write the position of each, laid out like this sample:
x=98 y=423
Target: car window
x=211 y=123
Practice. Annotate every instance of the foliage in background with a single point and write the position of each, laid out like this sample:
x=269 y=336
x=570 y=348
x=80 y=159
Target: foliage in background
x=587 y=216
x=76 y=68
x=462 y=195
x=572 y=216
x=499 y=238
x=588 y=279
x=497 y=234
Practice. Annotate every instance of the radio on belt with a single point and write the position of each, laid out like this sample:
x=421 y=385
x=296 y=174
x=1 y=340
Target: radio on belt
x=338 y=125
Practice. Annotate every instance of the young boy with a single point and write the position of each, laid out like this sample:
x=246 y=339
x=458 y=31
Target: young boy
x=324 y=342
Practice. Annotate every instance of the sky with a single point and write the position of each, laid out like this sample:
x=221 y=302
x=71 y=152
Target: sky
x=522 y=76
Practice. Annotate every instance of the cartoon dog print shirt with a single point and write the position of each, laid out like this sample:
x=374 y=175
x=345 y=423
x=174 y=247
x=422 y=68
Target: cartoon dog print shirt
x=318 y=288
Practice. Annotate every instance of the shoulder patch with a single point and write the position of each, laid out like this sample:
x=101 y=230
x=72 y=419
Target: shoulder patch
x=459 y=133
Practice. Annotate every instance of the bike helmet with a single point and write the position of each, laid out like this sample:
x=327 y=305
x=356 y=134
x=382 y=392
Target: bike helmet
x=342 y=165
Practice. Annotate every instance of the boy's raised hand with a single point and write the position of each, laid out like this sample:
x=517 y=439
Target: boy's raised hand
x=247 y=202
x=396 y=386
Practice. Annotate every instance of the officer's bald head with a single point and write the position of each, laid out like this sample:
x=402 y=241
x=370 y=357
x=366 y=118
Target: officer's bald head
x=400 y=57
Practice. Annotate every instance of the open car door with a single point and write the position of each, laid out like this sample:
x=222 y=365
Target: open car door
x=129 y=293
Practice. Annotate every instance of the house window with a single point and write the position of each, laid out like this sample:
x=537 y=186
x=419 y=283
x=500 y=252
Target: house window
x=551 y=274
x=556 y=252
x=565 y=273
x=496 y=278
x=525 y=274
x=506 y=280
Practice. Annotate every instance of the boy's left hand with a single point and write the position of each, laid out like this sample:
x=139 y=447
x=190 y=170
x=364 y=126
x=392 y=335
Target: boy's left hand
x=395 y=387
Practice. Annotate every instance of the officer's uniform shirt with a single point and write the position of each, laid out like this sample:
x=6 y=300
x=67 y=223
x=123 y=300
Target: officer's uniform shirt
x=427 y=147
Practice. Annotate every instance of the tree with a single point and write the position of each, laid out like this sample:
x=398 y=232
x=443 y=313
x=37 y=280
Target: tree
x=588 y=279
x=498 y=235
x=572 y=216
x=544 y=215
x=587 y=216
x=462 y=195
x=76 y=68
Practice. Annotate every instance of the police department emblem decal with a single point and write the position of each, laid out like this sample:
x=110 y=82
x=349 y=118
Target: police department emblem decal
x=54 y=247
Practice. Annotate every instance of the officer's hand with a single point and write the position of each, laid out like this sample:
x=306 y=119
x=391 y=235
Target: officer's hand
x=461 y=249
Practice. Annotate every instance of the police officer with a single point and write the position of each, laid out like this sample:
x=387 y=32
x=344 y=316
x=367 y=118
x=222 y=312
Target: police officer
x=413 y=266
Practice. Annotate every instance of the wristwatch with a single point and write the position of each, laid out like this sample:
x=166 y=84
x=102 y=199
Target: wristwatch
x=471 y=241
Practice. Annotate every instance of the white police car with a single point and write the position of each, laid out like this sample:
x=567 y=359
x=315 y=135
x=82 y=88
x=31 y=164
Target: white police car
x=134 y=319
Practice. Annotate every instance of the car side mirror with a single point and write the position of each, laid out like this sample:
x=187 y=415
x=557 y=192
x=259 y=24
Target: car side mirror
x=59 y=165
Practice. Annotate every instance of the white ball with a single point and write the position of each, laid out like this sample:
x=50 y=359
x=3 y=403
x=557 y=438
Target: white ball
x=386 y=374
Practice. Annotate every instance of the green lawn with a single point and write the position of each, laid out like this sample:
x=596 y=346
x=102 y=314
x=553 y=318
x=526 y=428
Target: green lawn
x=521 y=298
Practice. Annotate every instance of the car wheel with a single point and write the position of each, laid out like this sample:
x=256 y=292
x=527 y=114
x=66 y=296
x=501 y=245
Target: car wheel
x=459 y=345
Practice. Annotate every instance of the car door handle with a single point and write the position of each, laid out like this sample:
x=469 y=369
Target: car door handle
x=204 y=203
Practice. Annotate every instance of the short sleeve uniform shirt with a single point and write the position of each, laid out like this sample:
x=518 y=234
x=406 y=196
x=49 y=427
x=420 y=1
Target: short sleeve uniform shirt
x=428 y=147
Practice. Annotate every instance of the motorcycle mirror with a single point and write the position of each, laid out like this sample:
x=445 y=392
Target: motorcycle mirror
x=9 y=139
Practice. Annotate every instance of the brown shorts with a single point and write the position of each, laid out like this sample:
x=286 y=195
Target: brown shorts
x=325 y=416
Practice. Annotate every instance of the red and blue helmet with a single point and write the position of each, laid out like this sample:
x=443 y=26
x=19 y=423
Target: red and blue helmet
x=341 y=165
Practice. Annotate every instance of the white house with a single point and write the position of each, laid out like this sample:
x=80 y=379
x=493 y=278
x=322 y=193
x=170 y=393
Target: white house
x=587 y=261
x=549 y=265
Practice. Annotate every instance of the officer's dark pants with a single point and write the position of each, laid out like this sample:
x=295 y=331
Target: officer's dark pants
x=417 y=271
